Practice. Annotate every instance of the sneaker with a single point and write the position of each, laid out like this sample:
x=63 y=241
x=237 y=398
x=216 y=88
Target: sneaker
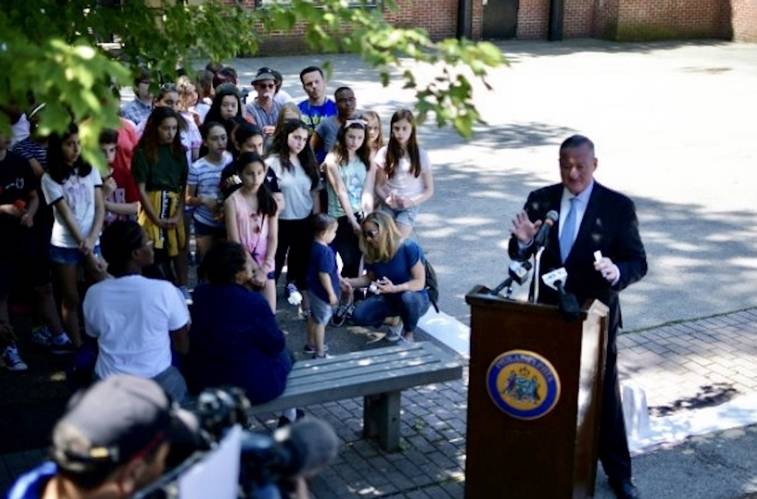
x=404 y=340
x=13 y=360
x=55 y=343
x=293 y=295
x=41 y=336
x=395 y=332
x=324 y=356
x=343 y=312
x=311 y=349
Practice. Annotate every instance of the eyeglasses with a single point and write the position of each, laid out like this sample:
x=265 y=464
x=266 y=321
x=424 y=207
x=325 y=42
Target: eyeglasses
x=370 y=234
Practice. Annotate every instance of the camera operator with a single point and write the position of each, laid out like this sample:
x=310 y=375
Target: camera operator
x=113 y=440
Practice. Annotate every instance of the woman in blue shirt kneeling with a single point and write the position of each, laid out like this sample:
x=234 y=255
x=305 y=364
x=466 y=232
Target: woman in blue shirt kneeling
x=395 y=277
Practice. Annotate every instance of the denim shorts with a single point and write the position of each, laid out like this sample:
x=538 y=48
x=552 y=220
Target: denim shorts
x=320 y=311
x=203 y=229
x=404 y=216
x=69 y=256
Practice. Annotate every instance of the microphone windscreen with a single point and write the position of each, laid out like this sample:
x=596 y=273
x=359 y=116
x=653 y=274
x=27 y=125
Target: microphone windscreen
x=552 y=216
x=315 y=442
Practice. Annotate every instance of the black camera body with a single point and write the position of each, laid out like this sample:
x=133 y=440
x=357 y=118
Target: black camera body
x=265 y=460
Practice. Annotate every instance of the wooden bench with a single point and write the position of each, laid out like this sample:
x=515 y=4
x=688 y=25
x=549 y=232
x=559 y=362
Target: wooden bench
x=379 y=375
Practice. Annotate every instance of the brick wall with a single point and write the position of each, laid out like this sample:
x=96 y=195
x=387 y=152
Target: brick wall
x=533 y=19
x=642 y=19
x=661 y=19
x=741 y=20
x=438 y=17
x=578 y=18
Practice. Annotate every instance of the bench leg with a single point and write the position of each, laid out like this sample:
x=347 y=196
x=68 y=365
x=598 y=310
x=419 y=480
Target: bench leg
x=381 y=418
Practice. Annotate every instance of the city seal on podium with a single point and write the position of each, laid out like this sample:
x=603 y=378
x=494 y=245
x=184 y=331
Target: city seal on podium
x=523 y=384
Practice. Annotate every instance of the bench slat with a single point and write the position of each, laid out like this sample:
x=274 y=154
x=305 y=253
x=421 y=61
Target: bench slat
x=343 y=376
x=347 y=370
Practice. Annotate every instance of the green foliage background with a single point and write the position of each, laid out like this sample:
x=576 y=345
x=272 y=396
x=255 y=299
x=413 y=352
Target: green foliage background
x=69 y=66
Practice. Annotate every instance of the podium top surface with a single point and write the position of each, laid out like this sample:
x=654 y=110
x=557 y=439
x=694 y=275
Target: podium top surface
x=480 y=296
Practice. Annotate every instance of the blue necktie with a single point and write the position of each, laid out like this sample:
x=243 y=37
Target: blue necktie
x=568 y=230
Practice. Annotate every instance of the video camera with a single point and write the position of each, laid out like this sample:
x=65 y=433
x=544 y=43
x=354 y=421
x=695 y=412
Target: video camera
x=265 y=461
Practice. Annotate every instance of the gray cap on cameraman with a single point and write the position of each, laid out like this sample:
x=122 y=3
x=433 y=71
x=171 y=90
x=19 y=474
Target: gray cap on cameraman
x=115 y=420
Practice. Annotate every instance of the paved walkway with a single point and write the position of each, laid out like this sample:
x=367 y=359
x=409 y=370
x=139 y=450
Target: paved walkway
x=681 y=366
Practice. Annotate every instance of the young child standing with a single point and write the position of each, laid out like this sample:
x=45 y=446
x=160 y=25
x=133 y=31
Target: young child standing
x=160 y=171
x=251 y=216
x=403 y=175
x=73 y=188
x=323 y=283
x=203 y=188
x=119 y=190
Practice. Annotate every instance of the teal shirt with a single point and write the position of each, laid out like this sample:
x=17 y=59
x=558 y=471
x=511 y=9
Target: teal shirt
x=353 y=177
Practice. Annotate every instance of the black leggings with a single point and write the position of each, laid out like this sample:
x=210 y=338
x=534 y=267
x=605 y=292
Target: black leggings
x=295 y=237
x=347 y=244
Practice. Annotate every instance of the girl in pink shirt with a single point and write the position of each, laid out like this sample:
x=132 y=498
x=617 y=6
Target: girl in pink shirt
x=251 y=216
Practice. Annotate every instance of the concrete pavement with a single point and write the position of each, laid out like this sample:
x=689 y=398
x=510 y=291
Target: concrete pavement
x=672 y=122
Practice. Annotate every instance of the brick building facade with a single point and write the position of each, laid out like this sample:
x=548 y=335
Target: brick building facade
x=623 y=20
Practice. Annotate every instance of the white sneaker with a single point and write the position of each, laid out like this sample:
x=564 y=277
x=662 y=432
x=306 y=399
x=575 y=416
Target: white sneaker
x=294 y=297
x=395 y=332
x=13 y=360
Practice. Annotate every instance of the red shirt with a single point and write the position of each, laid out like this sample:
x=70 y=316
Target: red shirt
x=127 y=141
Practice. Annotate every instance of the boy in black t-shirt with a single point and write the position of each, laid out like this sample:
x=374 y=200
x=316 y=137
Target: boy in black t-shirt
x=18 y=204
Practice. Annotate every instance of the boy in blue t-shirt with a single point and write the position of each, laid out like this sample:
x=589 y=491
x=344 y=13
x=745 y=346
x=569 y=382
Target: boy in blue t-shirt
x=323 y=283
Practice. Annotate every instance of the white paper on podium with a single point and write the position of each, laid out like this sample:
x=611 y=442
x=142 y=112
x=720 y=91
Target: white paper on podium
x=217 y=475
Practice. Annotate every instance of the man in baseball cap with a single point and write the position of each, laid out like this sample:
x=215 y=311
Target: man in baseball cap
x=263 y=109
x=111 y=442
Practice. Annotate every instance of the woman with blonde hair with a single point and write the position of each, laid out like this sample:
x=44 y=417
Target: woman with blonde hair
x=395 y=277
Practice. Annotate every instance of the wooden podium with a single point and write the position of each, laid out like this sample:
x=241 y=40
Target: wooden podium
x=534 y=412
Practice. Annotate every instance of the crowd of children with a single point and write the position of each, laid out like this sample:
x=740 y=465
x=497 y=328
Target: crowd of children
x=292 y=184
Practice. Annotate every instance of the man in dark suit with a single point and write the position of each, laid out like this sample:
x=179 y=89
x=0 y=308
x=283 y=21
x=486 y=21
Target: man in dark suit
x=592 y=218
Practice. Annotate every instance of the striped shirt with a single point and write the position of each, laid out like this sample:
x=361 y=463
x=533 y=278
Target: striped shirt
x=28 y=149
x=207 y=177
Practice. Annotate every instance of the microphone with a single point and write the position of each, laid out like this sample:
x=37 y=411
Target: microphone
x=567 y=302
x=542 y=236
x=518 y=273
x=300 y=449
x=313 y=441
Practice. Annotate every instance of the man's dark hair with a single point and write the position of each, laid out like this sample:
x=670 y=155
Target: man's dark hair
x=310 y=69
x=223 y=261
x=576 y=141
x=142 y=74
x=214 y=67
x=229 y=73
x=340 y=90
x=108 y=136
x=118 y=242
